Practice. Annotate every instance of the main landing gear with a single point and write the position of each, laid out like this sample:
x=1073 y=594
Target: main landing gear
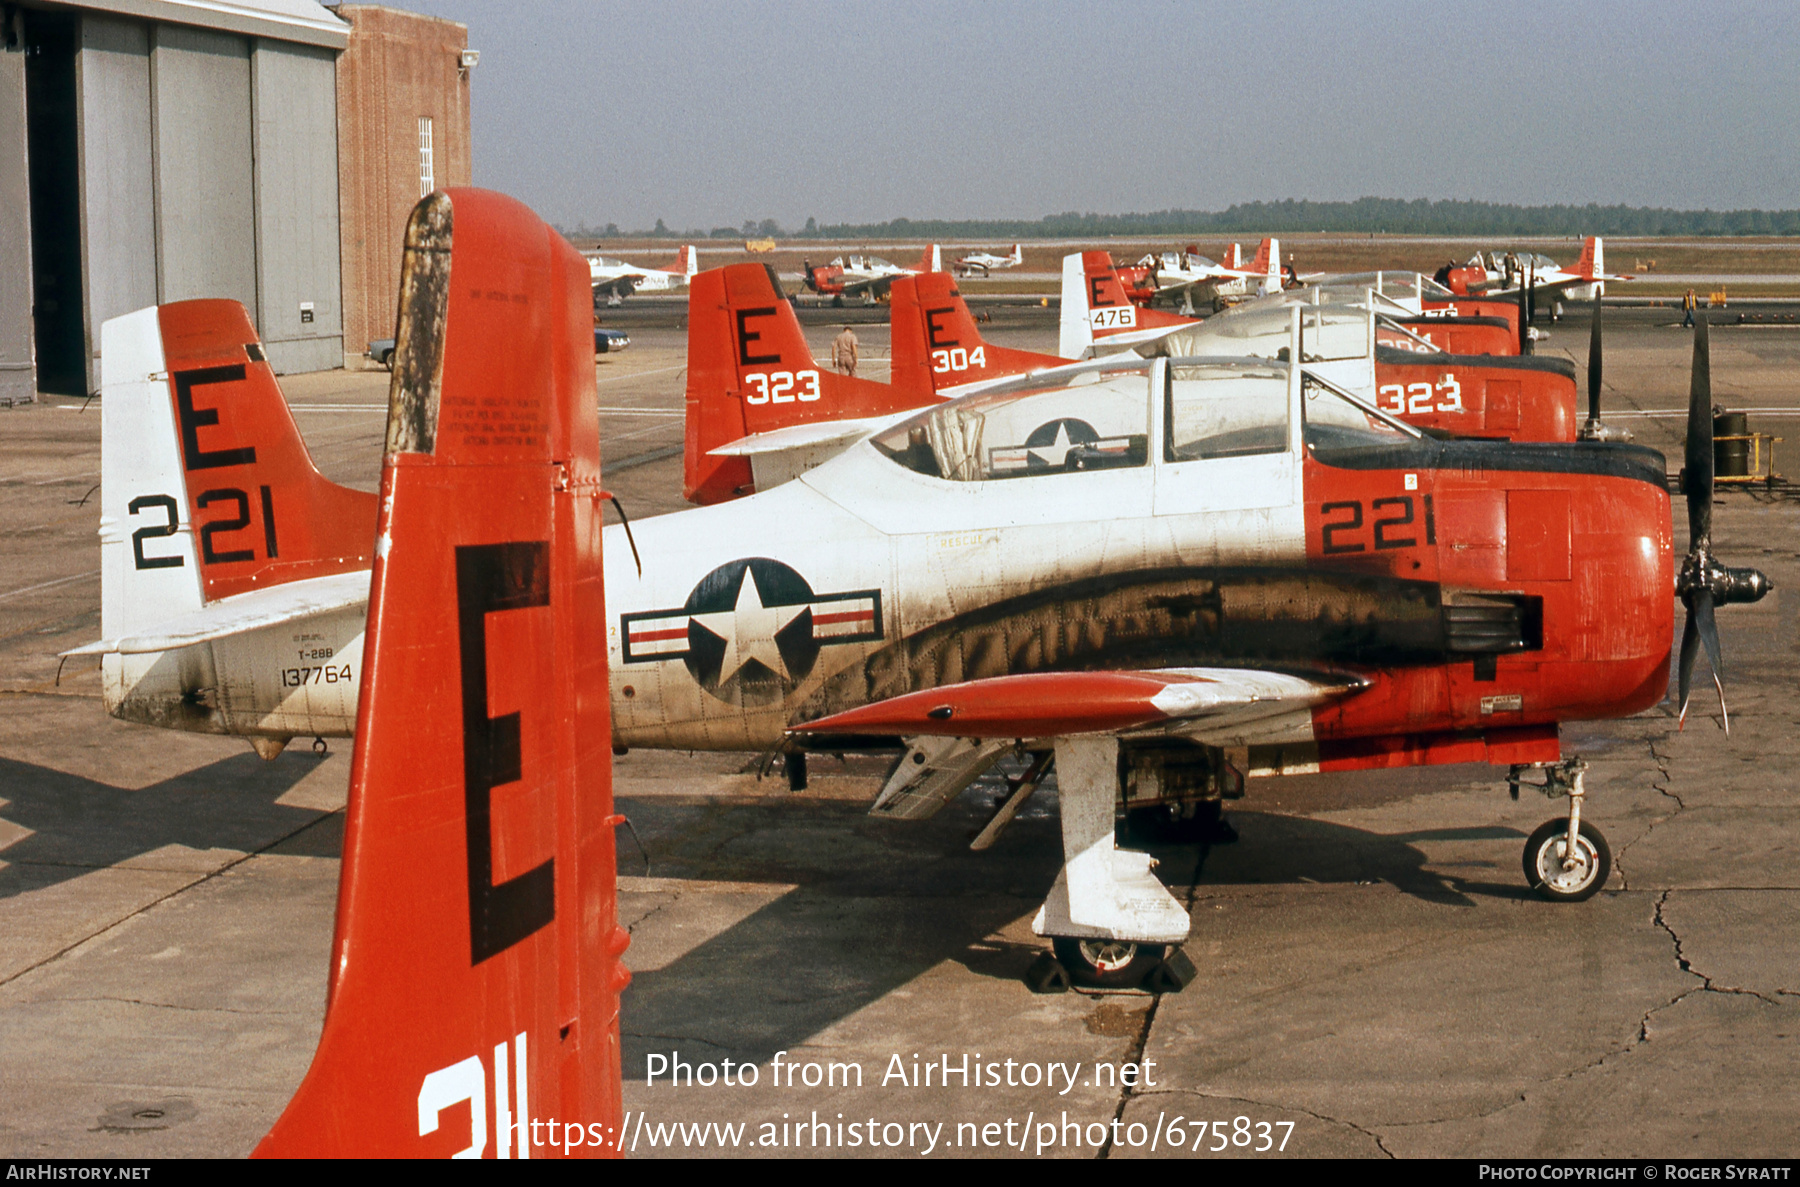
x=1567 y=859
x=1109 y=919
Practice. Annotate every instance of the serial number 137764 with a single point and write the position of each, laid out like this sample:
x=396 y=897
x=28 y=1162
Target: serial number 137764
x=329 y=674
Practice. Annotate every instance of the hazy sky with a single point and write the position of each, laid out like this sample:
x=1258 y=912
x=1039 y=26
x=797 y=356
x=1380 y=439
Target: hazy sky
x=705 y=114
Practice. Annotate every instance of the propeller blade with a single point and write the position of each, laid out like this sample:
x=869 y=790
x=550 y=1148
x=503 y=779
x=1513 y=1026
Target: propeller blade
x=1530 y=306
x=1700 y=630
x=1700 y=444
x=1524 y=319
x=1690 y=648
x=1594 y=365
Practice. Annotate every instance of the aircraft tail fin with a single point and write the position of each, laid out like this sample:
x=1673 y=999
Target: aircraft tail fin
x=751 y=371
x=475 y=972
x=207 y=489
x=1096 y=311
x=937 y=344
x=1593 y=259
x=931 y=260
x=1017 y=257
x=1267 y=260
x=687 y=261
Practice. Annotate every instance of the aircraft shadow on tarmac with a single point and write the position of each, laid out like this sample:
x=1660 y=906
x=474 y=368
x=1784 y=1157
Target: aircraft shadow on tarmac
x=79 y=824
x=877 y=903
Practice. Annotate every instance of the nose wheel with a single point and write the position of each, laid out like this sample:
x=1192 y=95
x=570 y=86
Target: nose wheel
x=1563 y=874
x=1566 y=859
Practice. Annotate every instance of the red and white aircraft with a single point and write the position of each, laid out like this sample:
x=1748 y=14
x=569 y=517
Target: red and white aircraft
x=615 y=279
x=1166 y=575
x=864 y=276
x=1499 y=272
x=1181 y=273
x=985 y=262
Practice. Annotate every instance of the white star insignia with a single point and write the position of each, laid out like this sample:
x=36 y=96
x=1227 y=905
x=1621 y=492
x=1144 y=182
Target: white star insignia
x=749 y=630
x=1059 y=447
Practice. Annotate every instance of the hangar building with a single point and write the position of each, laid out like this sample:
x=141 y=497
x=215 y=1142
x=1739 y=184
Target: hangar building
x=156 y=150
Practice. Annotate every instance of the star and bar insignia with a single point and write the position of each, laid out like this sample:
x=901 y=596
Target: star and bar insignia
x=752 y=629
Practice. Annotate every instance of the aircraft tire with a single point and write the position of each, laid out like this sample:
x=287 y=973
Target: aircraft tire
x=1543 y=862
x=1106 y=964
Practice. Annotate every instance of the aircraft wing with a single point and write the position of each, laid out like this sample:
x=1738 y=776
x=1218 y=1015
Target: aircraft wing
x=1213 y=705
x=956 y=732
x=803 y=436
x=877 y=284
x=242 y=612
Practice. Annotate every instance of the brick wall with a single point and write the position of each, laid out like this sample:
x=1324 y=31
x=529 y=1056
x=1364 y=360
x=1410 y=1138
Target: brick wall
x=398 y=67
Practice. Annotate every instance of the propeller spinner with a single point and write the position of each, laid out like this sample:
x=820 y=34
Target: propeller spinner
x=1705 y=583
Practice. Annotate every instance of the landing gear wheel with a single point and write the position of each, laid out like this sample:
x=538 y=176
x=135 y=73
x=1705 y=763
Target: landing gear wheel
x=1106 y=964
x=1544 y=862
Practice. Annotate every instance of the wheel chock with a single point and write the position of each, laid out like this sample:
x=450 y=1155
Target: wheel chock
x=1047 y=975
x=1171 y=974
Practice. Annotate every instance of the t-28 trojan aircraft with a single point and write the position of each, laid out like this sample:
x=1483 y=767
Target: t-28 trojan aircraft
x=1165 y=575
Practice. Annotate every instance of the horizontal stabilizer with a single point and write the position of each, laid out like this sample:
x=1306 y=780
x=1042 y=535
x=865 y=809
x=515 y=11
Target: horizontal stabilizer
x=803 y=436
x=240 y=613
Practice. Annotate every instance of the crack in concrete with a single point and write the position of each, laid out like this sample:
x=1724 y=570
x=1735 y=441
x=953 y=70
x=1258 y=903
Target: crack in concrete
x=1661 y=784
x=1642 y=1035
x=163 y=898
x=1264 y=1104
x=1687 y=966
x=674 y=897
x=1135 y=1053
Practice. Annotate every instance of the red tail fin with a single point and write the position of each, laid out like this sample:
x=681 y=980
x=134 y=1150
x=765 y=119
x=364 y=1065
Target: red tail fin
x=262 y=513
x=750 y=371
x=1261 y=264
x=1103 y=285
x=1589 y=262
x=475 y=974
x=936 y=343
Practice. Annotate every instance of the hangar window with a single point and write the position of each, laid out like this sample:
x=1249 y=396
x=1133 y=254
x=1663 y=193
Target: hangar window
x=427 y=173
x=1094 y=423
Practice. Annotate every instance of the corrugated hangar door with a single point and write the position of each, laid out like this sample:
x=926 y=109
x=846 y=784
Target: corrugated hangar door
x=205 y=181
x=300 y=317
x=119 y=196
x=18 y=372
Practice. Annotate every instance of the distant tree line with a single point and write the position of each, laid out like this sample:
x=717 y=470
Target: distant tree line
x=1393 y=216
